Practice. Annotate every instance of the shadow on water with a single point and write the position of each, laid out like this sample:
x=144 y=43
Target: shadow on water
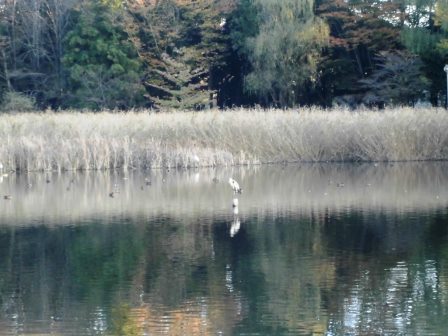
x=311 y=249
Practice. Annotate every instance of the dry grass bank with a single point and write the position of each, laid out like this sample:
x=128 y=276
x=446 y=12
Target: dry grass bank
x=74 y=140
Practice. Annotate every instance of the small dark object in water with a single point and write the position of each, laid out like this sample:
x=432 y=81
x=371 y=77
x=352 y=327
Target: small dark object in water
x=48 y=181
x=7 y=197
x=340 y=185
x=215 y=179
x=112 y=194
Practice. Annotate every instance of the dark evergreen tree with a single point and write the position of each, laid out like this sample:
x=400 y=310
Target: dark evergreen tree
x=183 y=45
x=103 y=65
x=425 y=34
x=359 y=30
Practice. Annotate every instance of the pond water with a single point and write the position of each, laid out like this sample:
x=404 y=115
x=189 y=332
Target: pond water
x=311 y=250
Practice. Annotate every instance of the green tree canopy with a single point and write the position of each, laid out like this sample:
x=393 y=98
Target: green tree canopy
x=285 y=52
x=425 y=33
x=104 y=69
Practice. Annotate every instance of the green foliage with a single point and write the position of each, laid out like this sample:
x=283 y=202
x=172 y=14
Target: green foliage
x=285 y=52
x=114 y=4
x=104 y=69
x=425 y=36
x=193 y=54
x=441 y=20
x=398 y=80
x=419 y=40
x=17 y=102
x=244 y=23
x=123 y=324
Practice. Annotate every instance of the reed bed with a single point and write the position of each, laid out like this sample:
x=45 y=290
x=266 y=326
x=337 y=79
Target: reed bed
x=108 y=140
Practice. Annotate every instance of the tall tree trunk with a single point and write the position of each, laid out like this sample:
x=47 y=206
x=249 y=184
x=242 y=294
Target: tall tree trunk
x=57 y=12
x=5 y=70
x=13 y=35
x=358 y=61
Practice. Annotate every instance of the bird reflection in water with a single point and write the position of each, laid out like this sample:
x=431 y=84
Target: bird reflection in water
x=236 y=223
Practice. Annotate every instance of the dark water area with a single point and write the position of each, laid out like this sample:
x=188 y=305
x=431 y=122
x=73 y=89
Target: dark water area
x=310 y=250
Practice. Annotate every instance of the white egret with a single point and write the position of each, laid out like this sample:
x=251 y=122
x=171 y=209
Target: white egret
x=235 y=186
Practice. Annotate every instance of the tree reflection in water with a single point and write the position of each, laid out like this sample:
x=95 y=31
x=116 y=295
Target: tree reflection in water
x=308 y=257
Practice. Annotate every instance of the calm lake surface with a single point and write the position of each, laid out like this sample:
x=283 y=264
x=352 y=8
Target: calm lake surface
x=311 y=250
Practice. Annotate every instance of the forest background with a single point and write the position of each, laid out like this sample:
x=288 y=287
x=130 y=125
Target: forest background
x=187 y=54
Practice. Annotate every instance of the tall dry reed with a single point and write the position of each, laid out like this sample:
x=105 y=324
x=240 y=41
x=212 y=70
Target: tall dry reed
x=75 y=140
